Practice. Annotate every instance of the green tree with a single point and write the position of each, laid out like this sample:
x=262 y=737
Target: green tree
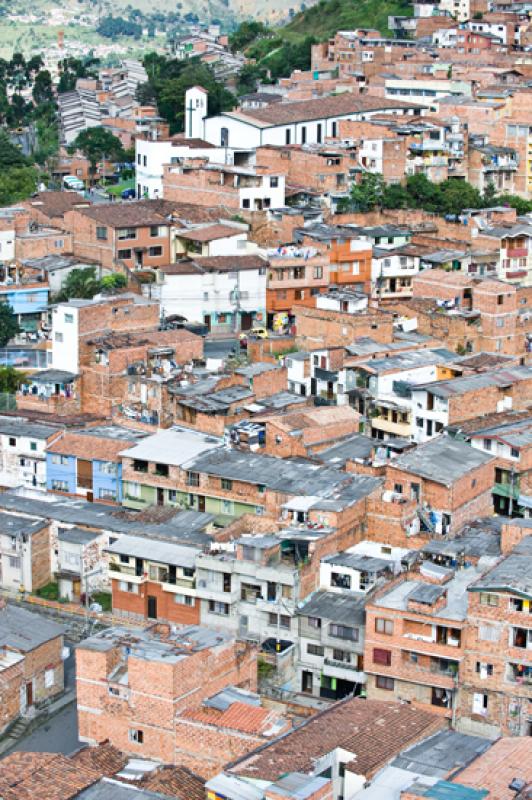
x=98 y=144
x=43 y=88
x=457 y=195
x=521 y=205
x=423 y=193
x=9 y=326
x=171 y=94
x=249 y=76
x=366 y=195
x=17 y=184
x=110 y=283
x=10 y=154
x=395 y=195
x=10 y=380
x=246 y=33
x=80 y=283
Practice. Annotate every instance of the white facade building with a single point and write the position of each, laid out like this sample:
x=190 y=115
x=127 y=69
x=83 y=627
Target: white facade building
x=302 y=122
x=225 y=292
x=65 y=336
x=23 y=452
x=152 y=154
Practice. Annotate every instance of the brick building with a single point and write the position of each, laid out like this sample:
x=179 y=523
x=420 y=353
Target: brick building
x=449 y=481
x=31 y=666
x=133 y=685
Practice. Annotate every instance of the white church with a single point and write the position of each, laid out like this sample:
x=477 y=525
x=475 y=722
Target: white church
x=301 y=122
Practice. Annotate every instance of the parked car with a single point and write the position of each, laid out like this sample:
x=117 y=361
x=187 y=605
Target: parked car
x=128 y=194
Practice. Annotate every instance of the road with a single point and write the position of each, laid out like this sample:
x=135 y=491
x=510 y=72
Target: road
x=59 y=733
x=220 y=348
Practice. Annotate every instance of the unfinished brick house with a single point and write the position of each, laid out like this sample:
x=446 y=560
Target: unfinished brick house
x=109 y=340
x=31 y=666
x=448 y=402
x=497 y=668
x=133 y=685
x=319 y=328
x=449 y=482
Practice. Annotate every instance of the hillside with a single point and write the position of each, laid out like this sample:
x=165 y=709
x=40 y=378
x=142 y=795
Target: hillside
x=328 y=16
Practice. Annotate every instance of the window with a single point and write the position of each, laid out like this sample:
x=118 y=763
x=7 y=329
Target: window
x=383 y=682
x=107 y=494
x=132 y=588
x=315 y=650
x=69 y=317
x=246 y=203
x=343 y=632
x=172 y=495
x=57 y=459
x=274 y=182
x=155 y=251
x=398 y=488
x=341 y=655
x=487 y=444
x=162 y=470
x=261 y=488
x=127 y=233
x=488 y=633
x=101 y=232
x=227 y=484
x=318 y=272
x=49 y=678
x=59 y=486
x=287 y=136
x=12 y=441
x=514 y=452
x=340 y=580
x=154 y=231
x=134 y=490
x=384 y=626
x=487 y=599
x=314 y=622
x=183 y=600
x=484 y=670
x=14 y=562
x=135 y=735
x=193 y=478
x=383 y=657
x=58 y=336
x=303 y=135
x=124 y=254
x=480 y=703
x=216 y=607
x=33 y=446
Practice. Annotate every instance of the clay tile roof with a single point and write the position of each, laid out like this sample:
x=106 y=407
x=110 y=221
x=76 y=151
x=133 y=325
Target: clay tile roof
x=209 y=233
x=55 y=204
x=372 y=730
x=306 y=110
x=26 y=776
x=239 y=716
x=130 y=214
x=104 y=759
x=178 y=782
x=90 y=447
x=495 y=769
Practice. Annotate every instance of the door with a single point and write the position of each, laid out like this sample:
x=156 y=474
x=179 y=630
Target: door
x=207 y=320
x=306 y=682
x=29 y=694
x=84 y=473
x=152 y=607
x=201 y=502
x=139 y=259
x=160 y=496
x=246 y=320
x=90 y=497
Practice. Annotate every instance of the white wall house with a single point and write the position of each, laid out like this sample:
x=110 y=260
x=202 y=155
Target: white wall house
x=392 y=272
x=65 y=336
x=302 y=122
x=228 y=293
x=23 y=452
x=152 y=154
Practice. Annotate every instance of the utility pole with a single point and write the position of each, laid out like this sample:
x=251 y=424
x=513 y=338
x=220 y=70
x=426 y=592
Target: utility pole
x=236 y=302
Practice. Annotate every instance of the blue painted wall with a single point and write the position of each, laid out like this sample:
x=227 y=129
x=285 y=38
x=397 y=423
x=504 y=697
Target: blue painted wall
x=61 y=472
x=26 y=301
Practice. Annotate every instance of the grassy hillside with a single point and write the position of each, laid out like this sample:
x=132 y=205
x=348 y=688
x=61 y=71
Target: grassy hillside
x=328 y=16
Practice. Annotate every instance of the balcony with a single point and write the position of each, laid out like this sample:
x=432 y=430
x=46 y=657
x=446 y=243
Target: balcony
x=343 y=670
x=517 y=252
x=124 y=573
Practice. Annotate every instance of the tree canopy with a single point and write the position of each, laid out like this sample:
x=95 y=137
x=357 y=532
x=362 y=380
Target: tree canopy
x=168 y=81
x=98 y=144
x=9 y=326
